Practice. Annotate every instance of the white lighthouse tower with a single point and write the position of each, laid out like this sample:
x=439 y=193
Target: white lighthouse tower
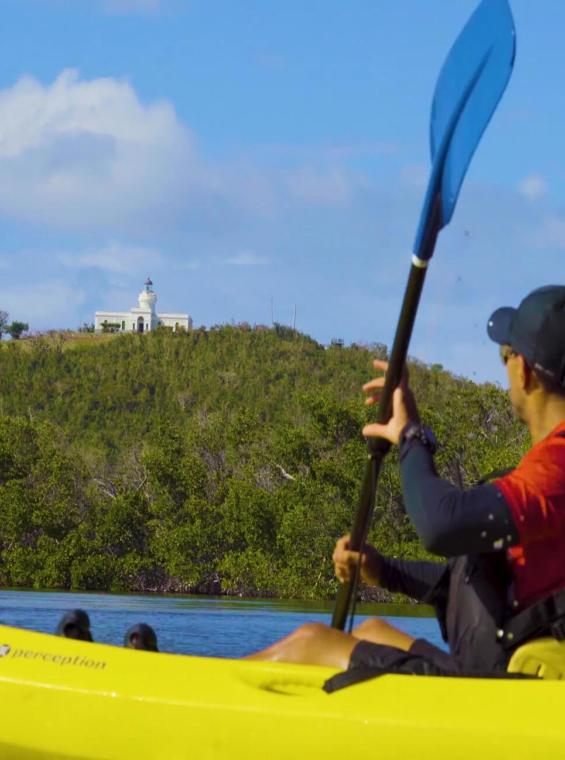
x=146 y=318
x=142 y=318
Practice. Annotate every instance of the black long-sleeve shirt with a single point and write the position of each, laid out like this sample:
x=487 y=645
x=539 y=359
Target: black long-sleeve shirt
x=449 y=521
x=416 y=579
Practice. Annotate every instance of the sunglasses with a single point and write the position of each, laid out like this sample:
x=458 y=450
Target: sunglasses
x=505 y=353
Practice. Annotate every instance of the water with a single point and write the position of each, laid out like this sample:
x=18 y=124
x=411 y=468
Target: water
x=213 y=626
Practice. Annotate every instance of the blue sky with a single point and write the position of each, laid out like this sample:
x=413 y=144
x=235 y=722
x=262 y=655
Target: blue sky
x=260 y=156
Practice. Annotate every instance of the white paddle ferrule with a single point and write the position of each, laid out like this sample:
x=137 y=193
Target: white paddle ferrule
x=420 y=263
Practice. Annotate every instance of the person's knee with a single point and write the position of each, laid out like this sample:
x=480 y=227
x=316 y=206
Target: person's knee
x=380 y=632
x=297 y=646
x=309 y=631
x=371 y=627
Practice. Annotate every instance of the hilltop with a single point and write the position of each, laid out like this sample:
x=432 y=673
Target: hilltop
x=225 y=460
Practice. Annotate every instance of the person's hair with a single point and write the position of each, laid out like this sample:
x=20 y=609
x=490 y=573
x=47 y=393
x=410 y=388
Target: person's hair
x=550 y=386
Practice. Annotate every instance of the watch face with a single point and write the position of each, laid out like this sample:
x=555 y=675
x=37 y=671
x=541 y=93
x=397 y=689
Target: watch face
x=421 y=433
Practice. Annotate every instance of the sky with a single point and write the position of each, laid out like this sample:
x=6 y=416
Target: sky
x=266 y=160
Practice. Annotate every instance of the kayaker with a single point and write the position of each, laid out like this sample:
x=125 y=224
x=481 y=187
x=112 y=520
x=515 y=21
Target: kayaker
x=505 y=579
x=75 y=624
x=141 y=636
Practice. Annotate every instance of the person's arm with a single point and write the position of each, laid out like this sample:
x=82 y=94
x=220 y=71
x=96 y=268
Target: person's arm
x=413 y=578
x=416 y=579
x=450 y=521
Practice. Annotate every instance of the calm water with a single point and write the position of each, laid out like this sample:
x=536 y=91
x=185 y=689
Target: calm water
x=216 y=626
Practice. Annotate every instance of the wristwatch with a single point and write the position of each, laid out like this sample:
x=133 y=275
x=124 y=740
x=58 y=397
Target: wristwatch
x=415 y=431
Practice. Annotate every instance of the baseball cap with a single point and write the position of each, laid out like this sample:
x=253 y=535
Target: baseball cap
x=536 y=330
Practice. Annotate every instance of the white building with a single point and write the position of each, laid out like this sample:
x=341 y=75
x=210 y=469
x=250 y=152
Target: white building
x=141 y=318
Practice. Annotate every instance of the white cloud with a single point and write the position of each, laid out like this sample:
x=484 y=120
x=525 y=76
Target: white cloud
x=247 y=259
x=91 y=156
x=113 y=257
x=532 y=187
x=88 y=155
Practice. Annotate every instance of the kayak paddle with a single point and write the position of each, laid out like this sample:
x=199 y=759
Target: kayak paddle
x=470 y=85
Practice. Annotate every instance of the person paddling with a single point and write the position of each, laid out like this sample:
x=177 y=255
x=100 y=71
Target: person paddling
x=504 y=582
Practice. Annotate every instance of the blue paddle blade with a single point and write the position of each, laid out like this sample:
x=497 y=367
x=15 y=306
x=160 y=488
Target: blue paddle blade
x=471 y=83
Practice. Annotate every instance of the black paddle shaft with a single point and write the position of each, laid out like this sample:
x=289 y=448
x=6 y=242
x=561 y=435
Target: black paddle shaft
x=378 y=447
x=468 y=90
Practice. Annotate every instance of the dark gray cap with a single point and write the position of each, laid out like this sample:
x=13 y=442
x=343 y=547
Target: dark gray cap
x=536 y=330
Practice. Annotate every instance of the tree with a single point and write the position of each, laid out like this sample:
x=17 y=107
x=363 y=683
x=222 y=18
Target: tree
x=16 y=329
x=110 y=327
x=227 y=461
x=3 y=322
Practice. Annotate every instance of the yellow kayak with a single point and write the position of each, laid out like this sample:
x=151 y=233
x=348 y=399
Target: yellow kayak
x=61 y=698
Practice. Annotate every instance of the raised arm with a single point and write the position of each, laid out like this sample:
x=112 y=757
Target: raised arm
x=449 y=521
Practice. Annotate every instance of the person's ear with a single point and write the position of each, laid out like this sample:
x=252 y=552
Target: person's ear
x=526 y=377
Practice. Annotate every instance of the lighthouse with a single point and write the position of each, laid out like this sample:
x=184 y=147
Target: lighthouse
x=142 y=318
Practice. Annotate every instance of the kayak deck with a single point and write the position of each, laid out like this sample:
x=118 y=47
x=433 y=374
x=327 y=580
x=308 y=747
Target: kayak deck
x=71 y=699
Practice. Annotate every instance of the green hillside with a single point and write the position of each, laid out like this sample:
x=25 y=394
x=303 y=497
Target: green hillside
x=218 y=461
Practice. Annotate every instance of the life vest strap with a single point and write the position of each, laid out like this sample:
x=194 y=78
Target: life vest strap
x=546 y=617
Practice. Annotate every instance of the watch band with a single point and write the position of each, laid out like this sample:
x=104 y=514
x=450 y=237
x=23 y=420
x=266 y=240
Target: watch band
x=415 y=431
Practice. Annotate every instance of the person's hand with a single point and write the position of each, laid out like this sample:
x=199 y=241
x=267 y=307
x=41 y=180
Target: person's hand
x=345 y=562
x=404 y=408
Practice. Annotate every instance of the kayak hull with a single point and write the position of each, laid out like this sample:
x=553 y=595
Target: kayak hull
x=68 y=699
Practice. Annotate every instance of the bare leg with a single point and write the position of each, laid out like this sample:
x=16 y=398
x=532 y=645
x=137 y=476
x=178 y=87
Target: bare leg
x=312 y=643
x=380 y=632
x=318 y=644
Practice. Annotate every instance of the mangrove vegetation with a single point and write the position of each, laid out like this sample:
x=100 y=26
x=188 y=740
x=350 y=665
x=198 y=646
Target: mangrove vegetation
x=224 y=461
